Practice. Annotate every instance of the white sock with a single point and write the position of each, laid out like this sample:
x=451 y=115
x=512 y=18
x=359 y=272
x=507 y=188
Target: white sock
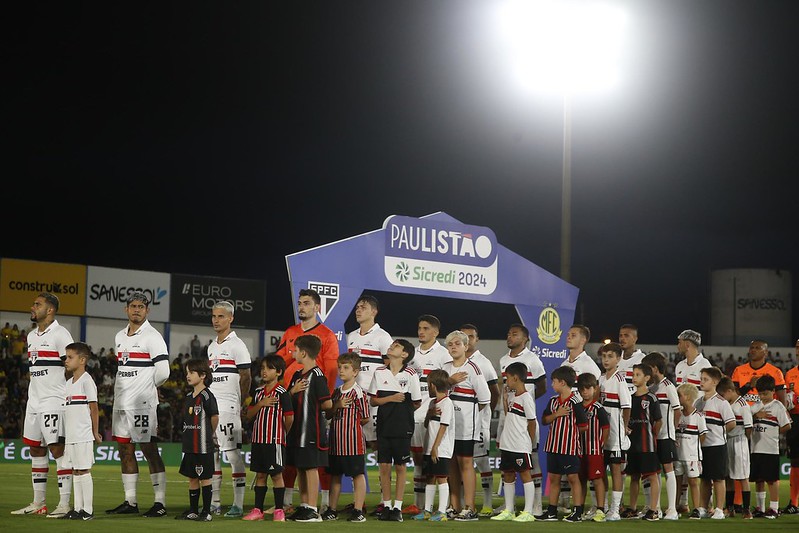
x=775 y=506
x=647 y=491
x=64 y=480
x=509 y=490
x=615 y=501
x=239 y=476
x=129 y=484
x=565 y=492
x=684 y=493
x=592 y=491
x=77 y=483
x=87 y=487
x=529 y=496
x=429 y=497
x=159 y=487
x=538 y=501
x=40 y=466
x=398 y=504
x=289 y=494
x=419 y=484
x=443 y=497
x=324 y=498
x=216 y=481
x=671 y=489
x=387 y=504
x=761 y=501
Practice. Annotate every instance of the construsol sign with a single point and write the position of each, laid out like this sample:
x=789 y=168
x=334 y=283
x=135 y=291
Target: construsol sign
x=21 y=281
x=192 y=298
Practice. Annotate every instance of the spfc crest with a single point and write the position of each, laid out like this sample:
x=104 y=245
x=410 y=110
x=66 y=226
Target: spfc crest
x=198 y=410
x=519 y=462
x=328 y=293
x=198 y=469
x=32 y=357
x=644 y=404
x=214 y=364
x=125 y=357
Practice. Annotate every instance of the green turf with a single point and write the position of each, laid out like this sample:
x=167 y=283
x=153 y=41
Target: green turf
x=15 y=492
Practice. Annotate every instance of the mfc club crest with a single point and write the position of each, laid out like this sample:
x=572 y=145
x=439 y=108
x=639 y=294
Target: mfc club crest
x=32 y=357
x=328 y=293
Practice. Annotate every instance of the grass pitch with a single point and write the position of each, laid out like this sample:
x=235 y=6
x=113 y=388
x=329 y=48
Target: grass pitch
x=15 y=492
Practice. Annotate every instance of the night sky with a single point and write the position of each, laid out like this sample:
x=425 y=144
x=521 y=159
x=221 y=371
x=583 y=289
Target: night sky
x=215 y=141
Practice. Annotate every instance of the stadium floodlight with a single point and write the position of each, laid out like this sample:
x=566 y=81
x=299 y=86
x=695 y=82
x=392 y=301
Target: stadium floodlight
x=563 y=46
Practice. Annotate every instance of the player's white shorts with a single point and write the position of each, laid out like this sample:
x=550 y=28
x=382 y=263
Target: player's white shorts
x=688 y=468
x=228 y=432
x=417 y=439
x=482 y=446
x=738 y=457
x=79 y=455
x=370 y=428
x=43 y=429
x=134 y=425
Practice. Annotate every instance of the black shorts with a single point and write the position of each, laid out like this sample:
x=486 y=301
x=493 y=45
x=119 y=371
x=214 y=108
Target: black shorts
x=197 y=465
x=618 y=457
x=346 y=465
x=559 y=463
x=714 y=462
x=792 y=438
x=267 y=458
x=642 y=463
x=439 y=469
x=396 y=450
x=463 y=448
x=515 y=461
x=306 y=457
x=764 y=467
x=667 y=451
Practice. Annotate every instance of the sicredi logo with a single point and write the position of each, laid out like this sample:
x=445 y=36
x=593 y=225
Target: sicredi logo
x=100 y=292
x=429 y=240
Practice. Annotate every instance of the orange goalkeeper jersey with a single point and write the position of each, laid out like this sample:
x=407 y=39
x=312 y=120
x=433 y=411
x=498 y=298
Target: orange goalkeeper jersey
x=742 y=376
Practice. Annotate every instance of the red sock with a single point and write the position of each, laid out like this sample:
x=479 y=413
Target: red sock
x=738 y=499
x=289 y=475
x=324 y=479
x=794 y=477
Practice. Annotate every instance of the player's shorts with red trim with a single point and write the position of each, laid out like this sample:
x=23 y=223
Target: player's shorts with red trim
x=43 y=429
x=134 y=425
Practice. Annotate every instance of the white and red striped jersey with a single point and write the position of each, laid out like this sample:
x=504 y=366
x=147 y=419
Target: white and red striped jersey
x=371 y=347
x=564 y=432
x=77 y=417
x=626 y=368
x=226 y=358
x=346 y=432
x=717 y=413
x=490 y=374
x=669 y=402
x=137 y=355
x=743 y=417
x=690 y=428
x=766 y=434
x=615 y=396
x=268 y=426
x=46 y=354
x=583 y=364
x=467 y=396
x=597 y=421
x=515 y=436
x=424 y=362
x=685 y=373
x=535 y=369
x=445 y=416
